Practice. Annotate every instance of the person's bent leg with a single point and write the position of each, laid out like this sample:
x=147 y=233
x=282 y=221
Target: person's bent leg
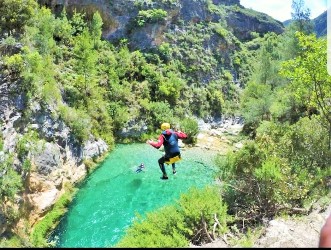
x=174 y=168
x=161 y=164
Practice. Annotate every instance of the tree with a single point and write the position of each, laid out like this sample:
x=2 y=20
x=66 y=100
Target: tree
x=309 y=79
x=85 y=65
x=15 y=14
x=267 y=61
x=63 y=30
x=96 y=28
x=300 y=22
x=255 y=103
x=10 y=185
x=301 y=17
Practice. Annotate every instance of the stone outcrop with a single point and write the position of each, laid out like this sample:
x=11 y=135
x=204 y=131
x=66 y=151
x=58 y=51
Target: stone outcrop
x=119 y=17
x=56 y=157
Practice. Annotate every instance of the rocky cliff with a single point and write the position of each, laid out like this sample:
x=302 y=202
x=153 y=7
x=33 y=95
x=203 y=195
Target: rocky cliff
x=120 y=18
x=55 y=157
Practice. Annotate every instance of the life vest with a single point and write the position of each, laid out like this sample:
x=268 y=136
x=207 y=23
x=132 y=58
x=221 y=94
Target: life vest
x=170 y=144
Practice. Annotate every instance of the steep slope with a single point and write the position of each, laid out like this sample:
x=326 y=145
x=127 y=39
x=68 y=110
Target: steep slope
x=120 y=18
x=42 y=149
x=320 y=24
x=203 y=35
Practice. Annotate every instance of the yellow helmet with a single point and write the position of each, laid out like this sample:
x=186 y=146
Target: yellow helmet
x=165 y=126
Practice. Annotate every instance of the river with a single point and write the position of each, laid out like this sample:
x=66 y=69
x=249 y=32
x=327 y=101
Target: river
x=110 y=198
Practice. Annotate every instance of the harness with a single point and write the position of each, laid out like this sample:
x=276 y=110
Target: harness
x=173 y=160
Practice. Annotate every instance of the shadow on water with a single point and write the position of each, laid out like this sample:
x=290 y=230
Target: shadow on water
x=135 y=184
x=109 y=199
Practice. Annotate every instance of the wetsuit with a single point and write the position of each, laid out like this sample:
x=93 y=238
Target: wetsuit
x=169 y=139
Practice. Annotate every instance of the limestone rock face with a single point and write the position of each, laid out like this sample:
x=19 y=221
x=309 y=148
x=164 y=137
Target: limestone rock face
x=119 y=18
x=55 y=156
x=47 y=158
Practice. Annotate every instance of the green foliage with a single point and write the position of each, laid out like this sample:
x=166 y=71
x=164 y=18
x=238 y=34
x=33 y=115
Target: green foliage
x=170 y=88
x=310 y=81
x=175 y=225
x=95 y=88
x=160 y=112
x=13 y=242
x=301 y=17
x=164 y=228
x=11 y=185
x=85 y=64
x=43 y=31
x=190 y=127
x=151 y=16
x=142 y=3
x=285 y=107
x=78 y=121
x=119 y=115
x=246 y=240
x=284 y=167
x=63 y=29
x=77 y=23
x=255 y=103
x=304 y=143
x=96 y=28
x=1 y=142
x=10 y=181
x=15 y=14
x=201 y=209
x=39 y=78
x=27 y=143
x=7 y=45
x=249 y=185
x=267 y=62
x=216 y=98
x=42 y=228
x=14 y=64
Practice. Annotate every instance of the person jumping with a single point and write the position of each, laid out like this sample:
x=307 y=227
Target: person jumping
x=169 y=139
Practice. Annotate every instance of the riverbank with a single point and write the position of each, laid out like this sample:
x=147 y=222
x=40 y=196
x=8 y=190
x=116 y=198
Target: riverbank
x=296 y=231
x=288 y=232
x=219 y=139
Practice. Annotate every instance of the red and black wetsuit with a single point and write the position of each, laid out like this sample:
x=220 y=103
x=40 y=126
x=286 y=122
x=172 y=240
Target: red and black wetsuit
x=169 y=139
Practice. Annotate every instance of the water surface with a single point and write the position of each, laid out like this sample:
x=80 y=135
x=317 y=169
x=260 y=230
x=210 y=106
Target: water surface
x=110 y=197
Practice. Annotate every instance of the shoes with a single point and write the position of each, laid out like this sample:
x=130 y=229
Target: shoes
x=164 y=177
x=174 y=172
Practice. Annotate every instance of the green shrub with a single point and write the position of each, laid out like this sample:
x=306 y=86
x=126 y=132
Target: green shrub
x=151 y=16
x=10 y=181
x=161 y=112
x=40 y=231
x=78 y=121
x=285 y=167
x=1 y=142
x=14 y=241
x=191 y=128
x=175 y=225
x=164 y=228
x=14 y=64
x=202 y=208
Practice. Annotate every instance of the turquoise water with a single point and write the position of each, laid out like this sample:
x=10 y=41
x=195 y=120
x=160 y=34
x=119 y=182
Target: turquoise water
x=109 y=199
